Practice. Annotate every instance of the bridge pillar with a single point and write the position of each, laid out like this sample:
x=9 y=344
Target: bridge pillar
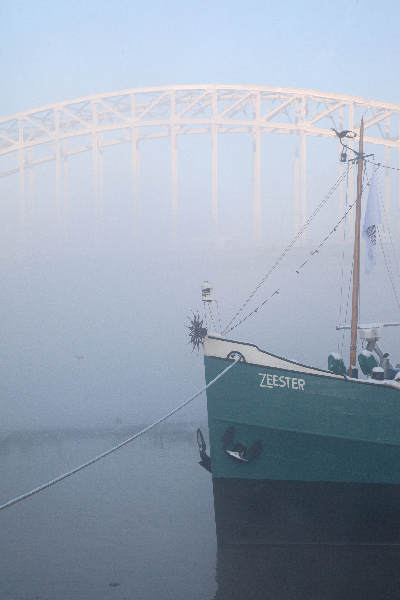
x=58 y=165
x=303 y=182
x=214 y=160
x=22 y=185
x=341 y=168
x=214 y=173
x=58 y=180
x=174 y=177
x=134 y=158
x=296 y=180
x=31 y=182
x=387 y=171
x=65 y=187
x=21 y=158
x=135 y=170
x=95 y=171
x=257 y=184
x=101 y=179
x=174 y=162
x=257 y=168
x=95 y=145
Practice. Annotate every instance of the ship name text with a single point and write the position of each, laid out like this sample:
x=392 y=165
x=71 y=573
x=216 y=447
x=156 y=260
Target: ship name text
x=270 y=380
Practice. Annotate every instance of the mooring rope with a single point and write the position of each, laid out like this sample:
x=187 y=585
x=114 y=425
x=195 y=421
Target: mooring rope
x=52 y=482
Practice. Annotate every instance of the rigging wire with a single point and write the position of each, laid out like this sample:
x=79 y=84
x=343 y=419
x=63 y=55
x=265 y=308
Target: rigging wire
x=343 y=250
x=326 y=238
x=212 y=321
x=394 y=254
x=347 y=304
x=298 y=270
x=287 y=249
x=387 y=231
x=52 y=482
x=219 y=316
x=389 y=271
x=379 y=164
x=389 y=267
x=303 y=264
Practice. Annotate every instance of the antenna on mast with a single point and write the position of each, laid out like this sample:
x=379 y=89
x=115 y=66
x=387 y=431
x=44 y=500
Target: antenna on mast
x=346 y=133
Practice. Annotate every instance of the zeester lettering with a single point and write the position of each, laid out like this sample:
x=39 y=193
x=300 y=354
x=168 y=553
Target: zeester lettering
x=271 y=380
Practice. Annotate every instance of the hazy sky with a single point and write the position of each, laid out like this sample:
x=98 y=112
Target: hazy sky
x=56 y=50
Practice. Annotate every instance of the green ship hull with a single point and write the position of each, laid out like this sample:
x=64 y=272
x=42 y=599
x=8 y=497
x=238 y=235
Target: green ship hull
x=307 y=425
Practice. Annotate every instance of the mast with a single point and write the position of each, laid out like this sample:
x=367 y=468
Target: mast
x=356 y=258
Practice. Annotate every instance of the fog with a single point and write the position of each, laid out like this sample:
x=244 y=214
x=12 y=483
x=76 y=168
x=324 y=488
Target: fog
x=96 y=294
x=95 y=299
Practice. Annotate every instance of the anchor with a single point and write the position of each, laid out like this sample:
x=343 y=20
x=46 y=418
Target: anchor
x=205 y=460
x=240 y=452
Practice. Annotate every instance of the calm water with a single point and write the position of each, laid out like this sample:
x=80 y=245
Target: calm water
x=140 y=525
x=137 y=525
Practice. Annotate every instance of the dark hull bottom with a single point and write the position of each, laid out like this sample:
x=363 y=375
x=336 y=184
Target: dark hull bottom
x=295 y=541
x=261 y=572
x=275 y=512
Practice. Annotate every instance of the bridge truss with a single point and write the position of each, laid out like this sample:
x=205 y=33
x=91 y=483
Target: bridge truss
x=91 y=124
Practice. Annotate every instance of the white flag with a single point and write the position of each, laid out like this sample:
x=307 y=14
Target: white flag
x=372 y=218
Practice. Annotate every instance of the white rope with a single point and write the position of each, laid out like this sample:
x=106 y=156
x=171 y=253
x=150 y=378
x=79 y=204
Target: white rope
x=111 y=450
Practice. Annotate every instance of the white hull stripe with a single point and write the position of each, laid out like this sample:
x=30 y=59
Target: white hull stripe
x=220 y=348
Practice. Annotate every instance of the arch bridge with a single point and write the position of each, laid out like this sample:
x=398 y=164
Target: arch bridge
x=91 y=124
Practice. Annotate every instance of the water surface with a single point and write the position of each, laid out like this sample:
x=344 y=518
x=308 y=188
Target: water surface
x=140 y=525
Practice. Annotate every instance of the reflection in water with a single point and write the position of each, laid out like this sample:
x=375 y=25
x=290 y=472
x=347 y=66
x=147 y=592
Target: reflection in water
x=287 y=541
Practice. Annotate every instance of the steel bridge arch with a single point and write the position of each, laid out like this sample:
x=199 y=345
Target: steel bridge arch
x=94 y=122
